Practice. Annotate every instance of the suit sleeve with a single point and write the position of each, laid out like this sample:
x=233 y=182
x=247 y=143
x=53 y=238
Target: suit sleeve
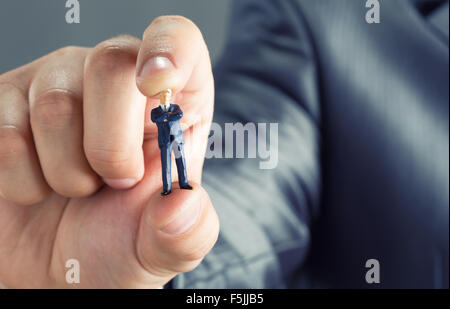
x=157 y=118
x=267 y=75
x=177 y=114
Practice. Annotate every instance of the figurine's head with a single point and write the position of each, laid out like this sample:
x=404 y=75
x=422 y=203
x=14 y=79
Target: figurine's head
x=165 y=96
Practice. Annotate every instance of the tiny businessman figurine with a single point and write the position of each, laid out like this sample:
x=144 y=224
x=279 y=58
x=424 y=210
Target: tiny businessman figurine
x=167 y=116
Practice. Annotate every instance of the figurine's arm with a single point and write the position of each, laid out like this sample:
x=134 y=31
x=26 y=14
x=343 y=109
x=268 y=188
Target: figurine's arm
x=177 y=114
x=161 y=118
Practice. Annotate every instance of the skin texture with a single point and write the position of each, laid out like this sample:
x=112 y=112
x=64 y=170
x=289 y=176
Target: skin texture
x=80 y=170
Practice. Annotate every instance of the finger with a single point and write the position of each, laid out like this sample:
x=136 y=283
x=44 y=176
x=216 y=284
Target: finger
x=173 y=55
x=176 y=232
x=21 y=179
x=56 y=117
x=114 y=112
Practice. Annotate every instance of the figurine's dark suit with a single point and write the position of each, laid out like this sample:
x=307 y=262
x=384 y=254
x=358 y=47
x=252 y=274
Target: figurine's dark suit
x=170 y=136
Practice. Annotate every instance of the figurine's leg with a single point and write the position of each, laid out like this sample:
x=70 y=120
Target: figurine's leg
x=181 y=166
x=165 y=166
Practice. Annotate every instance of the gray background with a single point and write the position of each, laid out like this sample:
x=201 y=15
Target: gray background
x=31 y=29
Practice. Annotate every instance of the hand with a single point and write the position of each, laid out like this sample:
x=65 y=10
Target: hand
x=80 y=171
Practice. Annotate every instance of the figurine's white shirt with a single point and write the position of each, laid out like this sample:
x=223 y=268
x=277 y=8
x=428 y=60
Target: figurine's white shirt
x=165 y=107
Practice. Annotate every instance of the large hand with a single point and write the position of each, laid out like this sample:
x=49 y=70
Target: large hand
x=80 y=171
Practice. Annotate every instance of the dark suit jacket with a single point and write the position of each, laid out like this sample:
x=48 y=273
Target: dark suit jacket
x=170 y=130
x=363 y=168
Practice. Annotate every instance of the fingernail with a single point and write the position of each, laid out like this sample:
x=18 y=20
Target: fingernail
x=156 y=65
x=183 y=220
x=124 y=183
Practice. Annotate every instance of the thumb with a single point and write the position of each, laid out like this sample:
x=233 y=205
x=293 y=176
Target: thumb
x=176 y=232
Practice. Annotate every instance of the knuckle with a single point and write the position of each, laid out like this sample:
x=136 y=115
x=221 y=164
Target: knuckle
x=11 y=80
x=55 y=108
x=67 y=51
x=13 y=106
x=77 y=187
x=31 y=197
x=108 y=159
x=13 y=144
x=111 y=55
x=9 y=88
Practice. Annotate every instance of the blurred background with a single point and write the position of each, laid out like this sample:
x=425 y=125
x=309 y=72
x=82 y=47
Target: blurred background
x=31 y=29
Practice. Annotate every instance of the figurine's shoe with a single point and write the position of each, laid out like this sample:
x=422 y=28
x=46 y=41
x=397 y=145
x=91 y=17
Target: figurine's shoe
x=186 y=187
x=166 y=192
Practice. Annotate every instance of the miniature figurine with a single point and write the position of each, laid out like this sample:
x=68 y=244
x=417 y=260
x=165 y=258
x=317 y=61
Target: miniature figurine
x=167 y=116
